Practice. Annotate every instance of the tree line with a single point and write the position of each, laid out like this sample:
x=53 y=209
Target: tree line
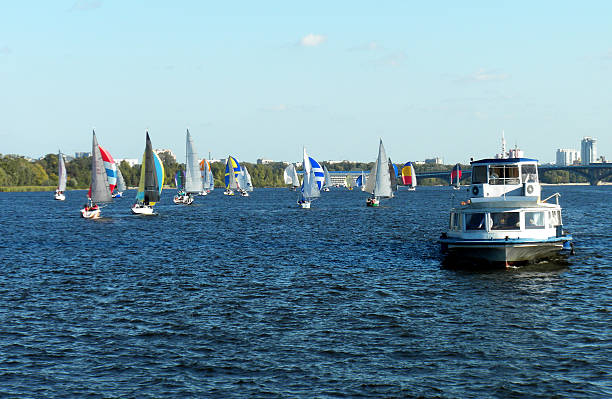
x=16 y=171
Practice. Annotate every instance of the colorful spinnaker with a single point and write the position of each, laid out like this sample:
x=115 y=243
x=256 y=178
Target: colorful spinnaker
x=409 y=175
x=232 y=167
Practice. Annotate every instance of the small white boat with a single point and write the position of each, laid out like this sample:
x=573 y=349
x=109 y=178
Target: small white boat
x=310 y=187
x=228 y=192
x=151 y=181
x=503 y=220
x=327 y=179
x=379 y=182
x=290 y=177
x=120 y=184
x=61 y=178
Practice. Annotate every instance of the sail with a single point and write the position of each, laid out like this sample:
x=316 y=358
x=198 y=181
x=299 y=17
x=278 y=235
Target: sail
x=193 y=181
x=408 y=175
x=205 y=171
x=379 y=182
x=318 y=172
x=248 y=183
x=393 y=175
x=327 y=177
x=231 y=178
x=151 y=176
x=348 y=180
x=99 y=191
x=310 y=188
x=61 y=173
x=120 y=181
x=111 y=168
x=294 y=176
x=288 y=174
x=211 y=180
x=456 y=175
x=179 y=179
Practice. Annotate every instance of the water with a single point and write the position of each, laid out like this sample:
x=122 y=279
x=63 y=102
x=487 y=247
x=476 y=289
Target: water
x=252 y=297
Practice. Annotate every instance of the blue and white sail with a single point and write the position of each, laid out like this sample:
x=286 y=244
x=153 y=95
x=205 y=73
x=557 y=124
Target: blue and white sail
x=310 y=185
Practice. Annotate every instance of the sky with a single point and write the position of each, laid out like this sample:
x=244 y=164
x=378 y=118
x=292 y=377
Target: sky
x=263 y=79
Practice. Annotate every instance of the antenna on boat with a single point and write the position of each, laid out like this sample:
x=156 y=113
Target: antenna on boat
x=503 y=152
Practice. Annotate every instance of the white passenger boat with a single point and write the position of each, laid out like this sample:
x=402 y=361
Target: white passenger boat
x=503 y=220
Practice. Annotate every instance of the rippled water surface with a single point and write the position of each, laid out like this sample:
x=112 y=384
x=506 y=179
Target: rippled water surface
x=251 y=297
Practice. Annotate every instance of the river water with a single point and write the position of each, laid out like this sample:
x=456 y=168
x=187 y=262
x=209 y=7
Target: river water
x=251 y=297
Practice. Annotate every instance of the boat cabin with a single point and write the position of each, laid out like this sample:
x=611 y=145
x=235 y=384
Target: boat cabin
x=506 y=221
x=514 y=177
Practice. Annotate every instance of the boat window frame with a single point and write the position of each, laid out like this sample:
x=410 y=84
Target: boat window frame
x=504 y=174
x=529 y=176
x=554 y=216
x=530 y=226
x=495 y=224
x=479 y=174
x=455 y=221
x=483 y=222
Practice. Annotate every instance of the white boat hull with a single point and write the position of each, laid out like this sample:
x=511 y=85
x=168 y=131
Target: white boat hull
x=90 y=214
x=304 y=204
x=142 y=210
x=60 y=197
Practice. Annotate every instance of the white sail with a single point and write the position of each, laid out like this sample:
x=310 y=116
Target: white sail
x=61 y=173
x=120 y=181
x=193 y=181
x=100 y=190
x=327 y=177
x=379 y=181
x=287 y=174
x=233 y=183
x=348 y=180
x=248 y=183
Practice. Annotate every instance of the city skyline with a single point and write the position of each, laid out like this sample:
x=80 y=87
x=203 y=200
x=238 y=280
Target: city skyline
x=263 y=80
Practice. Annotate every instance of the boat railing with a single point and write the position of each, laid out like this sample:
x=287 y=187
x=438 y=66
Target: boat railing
x=556 y=195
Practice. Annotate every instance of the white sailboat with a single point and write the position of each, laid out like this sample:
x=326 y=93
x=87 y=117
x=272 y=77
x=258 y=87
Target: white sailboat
x=291 y=177
x=246 y=183
x=103 y=179
x=208 y=183
x=310 y=188
x=232 y=171
x=327 y=182
x=349 y=182
x=61 y=178
x=379 y=180
x=193 y=181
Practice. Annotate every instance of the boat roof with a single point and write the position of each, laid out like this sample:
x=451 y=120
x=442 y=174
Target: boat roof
x=503 y=160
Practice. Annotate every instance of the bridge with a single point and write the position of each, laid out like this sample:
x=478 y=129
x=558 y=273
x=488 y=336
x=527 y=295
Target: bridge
x=595 y=173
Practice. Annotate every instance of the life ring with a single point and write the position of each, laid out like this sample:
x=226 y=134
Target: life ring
x=475 y=190
x=529 y=189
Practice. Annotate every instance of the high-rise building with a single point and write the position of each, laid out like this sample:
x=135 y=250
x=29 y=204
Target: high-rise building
x=588 y=150
x=566 y=156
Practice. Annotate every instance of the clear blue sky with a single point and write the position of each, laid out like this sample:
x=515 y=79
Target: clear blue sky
x=261 y=79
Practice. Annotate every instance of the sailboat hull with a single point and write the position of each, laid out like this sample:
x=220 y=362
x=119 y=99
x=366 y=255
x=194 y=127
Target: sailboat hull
x=90 y=214
x=142 y=210
x=304 y=204
x=60 y=197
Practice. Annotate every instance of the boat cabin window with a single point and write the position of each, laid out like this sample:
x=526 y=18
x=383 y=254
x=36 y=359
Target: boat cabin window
x=555 y=218
x=505 y=221
x=504 y=174
x=455 y=221
x=475 y=221
x=479 y=174
x=534 y=220
x=529 y=173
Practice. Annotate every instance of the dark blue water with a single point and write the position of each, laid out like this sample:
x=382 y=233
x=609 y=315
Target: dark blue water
x=252 y=297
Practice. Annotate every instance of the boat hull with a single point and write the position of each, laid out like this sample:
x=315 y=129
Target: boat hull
x=60 y=197
x=506 y=252
x=304 y=205
x=90 y=214
x=142 y=210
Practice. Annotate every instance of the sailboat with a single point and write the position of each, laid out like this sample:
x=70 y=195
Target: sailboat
x=193 y=181
x=379 y=180
x=179 y=181
x=290 y=176
x=151 y=181
x=409 y=176
x=360 y=181
x=208 y=182
x=232 y=170
x=393 y=172
x=349 y=182
x=103 y=179
x=120 y=184
x=61 y=178
x=456 y=177
x=310 y=188
x=246 y=184
x=327 y=179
